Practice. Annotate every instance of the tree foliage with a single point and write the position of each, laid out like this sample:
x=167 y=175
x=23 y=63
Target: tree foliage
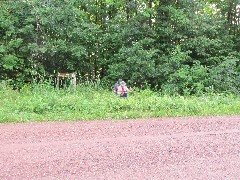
x=185 y=46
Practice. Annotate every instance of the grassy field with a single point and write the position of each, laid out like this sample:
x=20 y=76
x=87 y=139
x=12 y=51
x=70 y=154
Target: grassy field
x=44 y=103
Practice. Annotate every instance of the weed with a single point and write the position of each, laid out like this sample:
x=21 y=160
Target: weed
x=41 y=102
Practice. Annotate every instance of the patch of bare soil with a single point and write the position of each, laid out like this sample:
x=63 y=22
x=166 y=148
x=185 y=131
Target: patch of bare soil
x=162 y=148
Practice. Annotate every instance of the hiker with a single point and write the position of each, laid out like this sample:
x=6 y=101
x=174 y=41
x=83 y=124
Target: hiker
x=123 y=89
x=115 y=87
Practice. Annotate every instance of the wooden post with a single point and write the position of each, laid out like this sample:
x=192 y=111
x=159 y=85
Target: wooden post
x=74 y=81
x=68 y=75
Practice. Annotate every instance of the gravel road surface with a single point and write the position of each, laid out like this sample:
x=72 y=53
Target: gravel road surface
x=189 y=148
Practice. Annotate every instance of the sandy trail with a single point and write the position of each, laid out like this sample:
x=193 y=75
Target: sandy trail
x=162 y=148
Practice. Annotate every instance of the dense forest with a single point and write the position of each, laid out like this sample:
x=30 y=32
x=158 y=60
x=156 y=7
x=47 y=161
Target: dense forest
x=174 y=46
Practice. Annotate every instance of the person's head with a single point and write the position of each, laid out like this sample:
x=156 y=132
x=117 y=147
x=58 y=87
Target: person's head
x=119 y=81
x=122 y=83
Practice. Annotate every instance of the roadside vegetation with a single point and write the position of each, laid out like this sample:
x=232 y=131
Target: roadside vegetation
x=42 y=102
x=183 y=56
x=184 y=47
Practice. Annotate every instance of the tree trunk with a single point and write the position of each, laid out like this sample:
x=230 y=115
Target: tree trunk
x=150 y=18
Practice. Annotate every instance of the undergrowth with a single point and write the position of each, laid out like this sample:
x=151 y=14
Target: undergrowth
x=42 y=102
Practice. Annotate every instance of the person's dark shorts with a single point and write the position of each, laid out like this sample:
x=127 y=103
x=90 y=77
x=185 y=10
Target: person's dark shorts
x=124 y=95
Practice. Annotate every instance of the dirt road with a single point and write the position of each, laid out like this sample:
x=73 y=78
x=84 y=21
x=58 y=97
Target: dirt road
x=165 y=148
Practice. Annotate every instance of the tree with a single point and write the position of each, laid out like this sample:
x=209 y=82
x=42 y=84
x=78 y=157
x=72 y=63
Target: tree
x=183 y=44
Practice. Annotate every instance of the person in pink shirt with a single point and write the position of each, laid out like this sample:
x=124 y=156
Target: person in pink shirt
x=123 y=89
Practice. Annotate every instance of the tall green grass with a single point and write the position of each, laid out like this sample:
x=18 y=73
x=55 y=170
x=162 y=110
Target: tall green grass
x=41 y=102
